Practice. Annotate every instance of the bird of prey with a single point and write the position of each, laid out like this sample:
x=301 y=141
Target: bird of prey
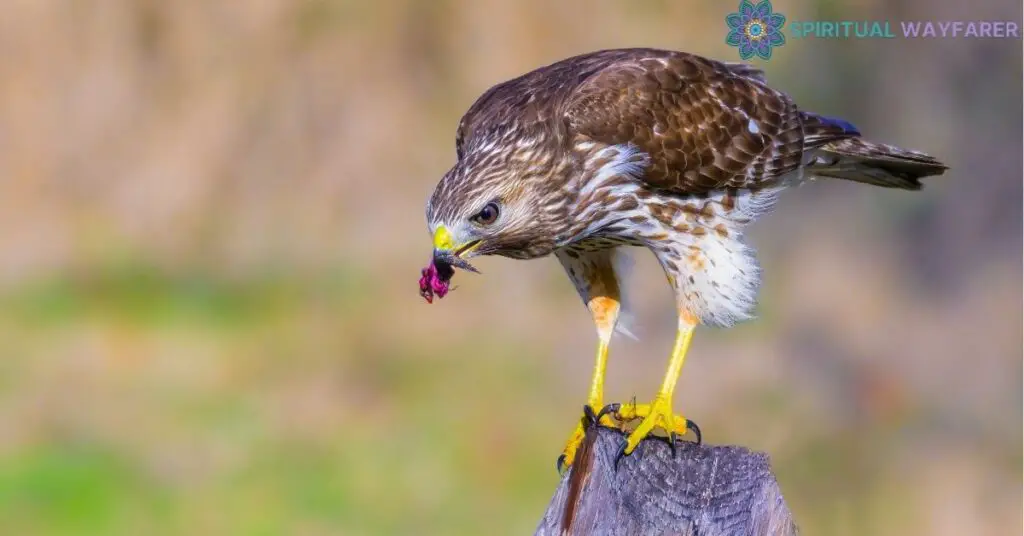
x=640 y=147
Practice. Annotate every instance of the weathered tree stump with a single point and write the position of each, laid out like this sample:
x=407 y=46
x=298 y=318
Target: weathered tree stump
x=703 y=490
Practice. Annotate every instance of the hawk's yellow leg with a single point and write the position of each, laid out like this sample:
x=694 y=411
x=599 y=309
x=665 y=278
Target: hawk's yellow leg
x=659 y=412
x=605 y=311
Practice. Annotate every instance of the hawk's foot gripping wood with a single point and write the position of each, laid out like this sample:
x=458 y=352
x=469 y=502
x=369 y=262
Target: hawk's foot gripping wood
x=658 y=414
x=655 y=415
x=699 y=489
x=605 y=310
x=576 y=439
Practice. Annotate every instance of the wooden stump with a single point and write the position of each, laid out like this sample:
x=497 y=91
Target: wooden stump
x=703 y=490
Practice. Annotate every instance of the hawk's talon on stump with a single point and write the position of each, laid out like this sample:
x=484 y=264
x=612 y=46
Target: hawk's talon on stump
x=559 y=463
x=674 y=436
x=588 y=420
x=610 y=409
x=656 y=414
x=569 y=452
x=621 y=454
x=690 y=425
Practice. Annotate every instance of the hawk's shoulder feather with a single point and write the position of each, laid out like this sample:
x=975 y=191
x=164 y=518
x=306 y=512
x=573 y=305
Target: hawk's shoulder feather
x=704 y=124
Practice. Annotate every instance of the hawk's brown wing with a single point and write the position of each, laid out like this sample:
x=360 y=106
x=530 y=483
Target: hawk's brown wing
x=704 y=124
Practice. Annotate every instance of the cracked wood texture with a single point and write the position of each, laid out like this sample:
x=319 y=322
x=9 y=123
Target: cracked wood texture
x=703 y=490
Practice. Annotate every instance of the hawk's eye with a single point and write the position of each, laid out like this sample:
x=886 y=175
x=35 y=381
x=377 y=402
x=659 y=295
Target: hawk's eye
x=487 y=215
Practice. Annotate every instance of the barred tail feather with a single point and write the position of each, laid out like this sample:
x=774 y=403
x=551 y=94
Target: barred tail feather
x=859 y=160
x=836 y=150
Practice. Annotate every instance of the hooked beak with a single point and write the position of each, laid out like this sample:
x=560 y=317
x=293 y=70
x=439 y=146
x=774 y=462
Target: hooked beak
x=448 y=253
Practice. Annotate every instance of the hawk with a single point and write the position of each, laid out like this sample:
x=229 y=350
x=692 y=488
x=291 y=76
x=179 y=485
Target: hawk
x=640 y=147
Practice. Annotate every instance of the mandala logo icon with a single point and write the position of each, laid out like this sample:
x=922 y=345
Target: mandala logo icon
x=755 y=30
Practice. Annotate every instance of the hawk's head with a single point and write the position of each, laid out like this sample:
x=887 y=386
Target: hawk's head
x=489 y=203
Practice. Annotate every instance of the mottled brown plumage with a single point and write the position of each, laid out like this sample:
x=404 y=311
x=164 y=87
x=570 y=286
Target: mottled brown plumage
x=641 y=147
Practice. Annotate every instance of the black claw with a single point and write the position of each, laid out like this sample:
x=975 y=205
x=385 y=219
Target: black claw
x=672 y=438
x=560 y=463
x=621 y=454
x=612 y=408
x=589 y=418
x=690 y=425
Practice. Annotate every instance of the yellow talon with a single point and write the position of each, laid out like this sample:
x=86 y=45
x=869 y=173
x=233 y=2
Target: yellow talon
x=576 y=439
x=569 y=452
x=657 y=414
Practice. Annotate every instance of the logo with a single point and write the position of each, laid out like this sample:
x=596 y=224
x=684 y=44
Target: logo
x=755 y=30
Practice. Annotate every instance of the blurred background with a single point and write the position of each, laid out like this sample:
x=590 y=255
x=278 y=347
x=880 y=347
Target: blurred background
x=212 y=224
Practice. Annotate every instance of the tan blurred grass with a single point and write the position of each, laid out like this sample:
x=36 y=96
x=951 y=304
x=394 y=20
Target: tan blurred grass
x=211 y=220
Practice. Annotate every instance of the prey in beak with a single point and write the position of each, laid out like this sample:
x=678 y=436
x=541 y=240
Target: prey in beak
x=435 y=279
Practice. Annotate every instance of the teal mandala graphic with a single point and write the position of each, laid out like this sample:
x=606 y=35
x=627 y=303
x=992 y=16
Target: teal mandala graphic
x=755 y=30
